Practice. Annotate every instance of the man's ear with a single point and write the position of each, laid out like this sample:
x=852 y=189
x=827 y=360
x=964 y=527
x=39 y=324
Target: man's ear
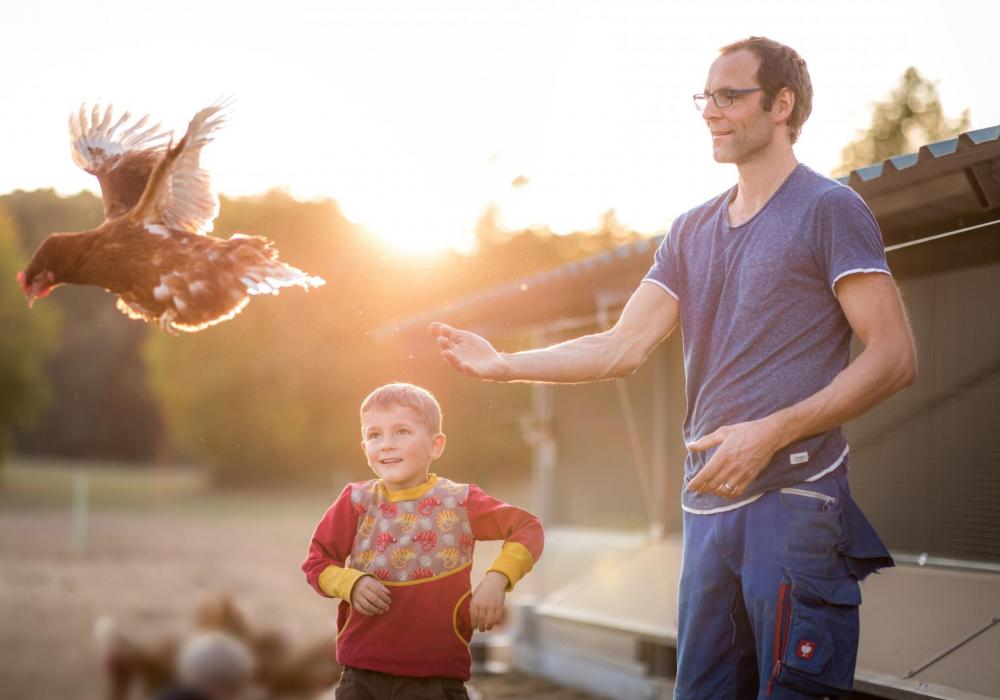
x=784 y=103
x=437 y=445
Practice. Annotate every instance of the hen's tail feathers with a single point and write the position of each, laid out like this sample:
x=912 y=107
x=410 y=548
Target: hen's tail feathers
x=95 y=139
x=263 y=273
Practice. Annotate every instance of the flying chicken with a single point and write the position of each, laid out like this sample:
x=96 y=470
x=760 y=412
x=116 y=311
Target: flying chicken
x=152 y=249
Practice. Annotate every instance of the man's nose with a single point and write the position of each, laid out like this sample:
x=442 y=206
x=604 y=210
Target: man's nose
x=710 y=112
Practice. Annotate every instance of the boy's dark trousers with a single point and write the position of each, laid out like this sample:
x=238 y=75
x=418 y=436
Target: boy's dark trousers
x=361 y=684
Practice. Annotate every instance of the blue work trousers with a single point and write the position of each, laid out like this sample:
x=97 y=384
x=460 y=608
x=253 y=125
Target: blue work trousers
x=769 y=595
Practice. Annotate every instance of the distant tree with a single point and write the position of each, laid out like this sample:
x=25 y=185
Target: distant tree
x=101 y=406
x=908 y=118
x=25 y=342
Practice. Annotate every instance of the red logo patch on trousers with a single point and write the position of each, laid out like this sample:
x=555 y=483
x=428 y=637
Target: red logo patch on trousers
x=805 y=649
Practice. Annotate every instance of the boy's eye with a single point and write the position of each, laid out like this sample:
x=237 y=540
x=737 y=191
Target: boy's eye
x=403 y=431
x=372 y=436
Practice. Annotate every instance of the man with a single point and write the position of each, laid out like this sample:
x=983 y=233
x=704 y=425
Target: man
x=768 y=281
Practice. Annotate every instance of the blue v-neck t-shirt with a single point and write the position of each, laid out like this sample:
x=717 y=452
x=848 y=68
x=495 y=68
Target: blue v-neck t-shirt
x=762 y=327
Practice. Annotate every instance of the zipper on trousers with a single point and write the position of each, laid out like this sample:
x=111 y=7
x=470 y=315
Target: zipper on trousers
x=781 y=627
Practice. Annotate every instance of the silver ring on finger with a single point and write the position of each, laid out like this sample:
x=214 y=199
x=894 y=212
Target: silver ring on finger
x=728 y=487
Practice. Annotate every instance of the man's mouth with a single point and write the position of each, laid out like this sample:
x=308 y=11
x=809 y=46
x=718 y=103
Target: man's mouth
x=716 y=134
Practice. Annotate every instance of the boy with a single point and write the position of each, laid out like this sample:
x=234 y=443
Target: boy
x=397 y=551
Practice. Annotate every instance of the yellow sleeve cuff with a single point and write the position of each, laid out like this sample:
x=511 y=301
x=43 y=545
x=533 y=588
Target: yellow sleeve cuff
x=514 y=561
x=338 y=582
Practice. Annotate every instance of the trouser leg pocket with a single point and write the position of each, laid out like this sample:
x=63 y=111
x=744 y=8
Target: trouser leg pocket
x=819 y=641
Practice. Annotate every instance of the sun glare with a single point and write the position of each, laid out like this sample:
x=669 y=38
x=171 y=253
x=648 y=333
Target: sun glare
x=416 y=118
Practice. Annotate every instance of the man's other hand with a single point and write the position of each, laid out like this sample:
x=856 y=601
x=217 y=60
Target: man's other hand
x=744 y=449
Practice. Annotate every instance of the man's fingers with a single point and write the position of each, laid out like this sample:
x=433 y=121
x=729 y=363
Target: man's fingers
x=453 y=360
x=706 y=441
x=697 y=484
x=443 y=330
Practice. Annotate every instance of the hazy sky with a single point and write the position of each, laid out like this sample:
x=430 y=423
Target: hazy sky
x=415 y=115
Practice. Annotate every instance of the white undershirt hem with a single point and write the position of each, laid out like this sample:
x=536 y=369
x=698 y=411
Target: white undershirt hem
x=734 y=506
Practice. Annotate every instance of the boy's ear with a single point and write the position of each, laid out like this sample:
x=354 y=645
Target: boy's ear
x=437 y=445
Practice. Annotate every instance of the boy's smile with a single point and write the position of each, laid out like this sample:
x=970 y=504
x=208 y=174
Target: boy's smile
x=399 y=446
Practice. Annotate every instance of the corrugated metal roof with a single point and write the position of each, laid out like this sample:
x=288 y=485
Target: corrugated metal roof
x=934 y=150
x=909 y=194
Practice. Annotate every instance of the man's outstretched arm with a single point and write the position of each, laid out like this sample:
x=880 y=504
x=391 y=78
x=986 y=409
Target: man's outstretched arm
x=648 y=317
x=888 y=363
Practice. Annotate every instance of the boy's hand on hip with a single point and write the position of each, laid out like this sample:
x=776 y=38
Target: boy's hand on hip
x=486 y=606
x=369 y=596
x=744 y=449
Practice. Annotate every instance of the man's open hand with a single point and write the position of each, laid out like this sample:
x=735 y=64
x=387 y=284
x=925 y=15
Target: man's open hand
x=469 y=353
x=486 y=606
x=369 y=596
x=744 y=450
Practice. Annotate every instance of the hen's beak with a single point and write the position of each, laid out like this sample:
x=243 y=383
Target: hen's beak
x=24 y=288
x=36 y=290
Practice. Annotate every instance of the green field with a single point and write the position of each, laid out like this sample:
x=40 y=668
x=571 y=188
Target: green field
x=50 y=483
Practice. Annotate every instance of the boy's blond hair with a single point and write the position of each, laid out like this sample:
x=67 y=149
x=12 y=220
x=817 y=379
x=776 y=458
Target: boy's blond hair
x=409 y=395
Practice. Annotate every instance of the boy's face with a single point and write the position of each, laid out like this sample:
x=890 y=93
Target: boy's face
x=399 y=447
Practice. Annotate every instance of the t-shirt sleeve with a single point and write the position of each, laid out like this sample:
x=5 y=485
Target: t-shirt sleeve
x=325 y=566
x=492 y=519
x=663 y=273
x=849 y=239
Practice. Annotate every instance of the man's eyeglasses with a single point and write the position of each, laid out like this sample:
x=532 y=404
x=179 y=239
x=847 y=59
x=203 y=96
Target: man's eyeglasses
x=722 y=98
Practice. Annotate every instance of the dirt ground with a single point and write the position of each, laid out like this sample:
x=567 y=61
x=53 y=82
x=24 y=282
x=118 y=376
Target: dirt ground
x=148 y=567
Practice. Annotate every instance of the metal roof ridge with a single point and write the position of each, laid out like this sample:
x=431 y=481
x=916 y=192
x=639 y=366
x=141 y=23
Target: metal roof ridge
x=928 y=151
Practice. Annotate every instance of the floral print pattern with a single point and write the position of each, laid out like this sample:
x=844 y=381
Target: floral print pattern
x=413 y=540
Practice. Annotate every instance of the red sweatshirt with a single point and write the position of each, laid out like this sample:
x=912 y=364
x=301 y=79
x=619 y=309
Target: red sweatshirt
x=419 y=542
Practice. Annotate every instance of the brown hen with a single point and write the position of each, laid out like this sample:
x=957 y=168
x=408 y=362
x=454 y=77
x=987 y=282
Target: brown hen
x=152 y=249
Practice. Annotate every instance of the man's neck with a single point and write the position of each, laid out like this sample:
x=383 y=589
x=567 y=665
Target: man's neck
x=759 y=179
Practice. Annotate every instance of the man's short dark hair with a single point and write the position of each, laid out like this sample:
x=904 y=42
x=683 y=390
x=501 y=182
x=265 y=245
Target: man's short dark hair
x=780 y=67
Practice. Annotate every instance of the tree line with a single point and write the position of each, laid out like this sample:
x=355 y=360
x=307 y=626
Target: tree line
x=271 y=395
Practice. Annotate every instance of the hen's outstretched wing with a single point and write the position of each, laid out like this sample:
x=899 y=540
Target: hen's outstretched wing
x=179 y=194
x=120 y=153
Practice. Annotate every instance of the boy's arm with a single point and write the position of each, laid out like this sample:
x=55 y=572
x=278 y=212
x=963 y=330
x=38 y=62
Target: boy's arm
x=492 y=519
x=329 y=548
